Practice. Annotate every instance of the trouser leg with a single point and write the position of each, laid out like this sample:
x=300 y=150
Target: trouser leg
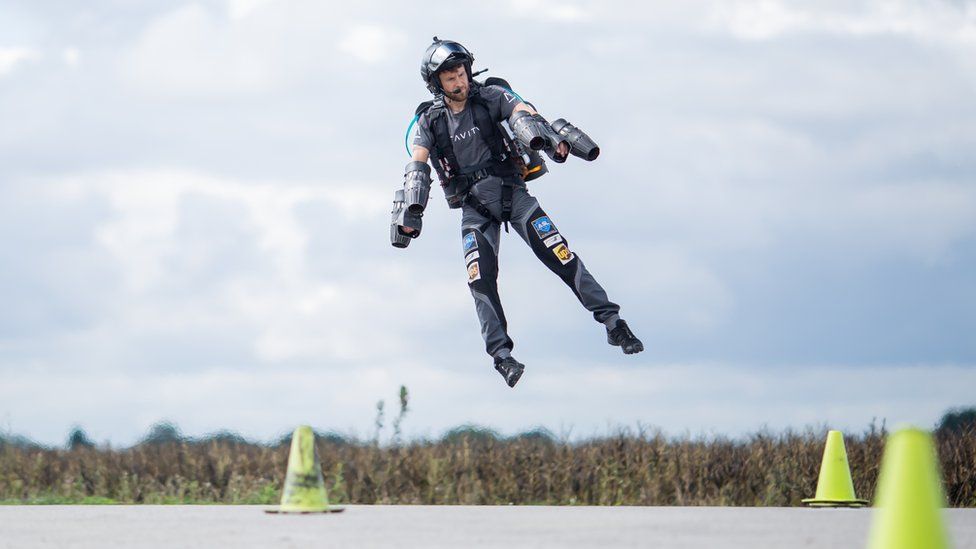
x=551 y=247
x=480 y=240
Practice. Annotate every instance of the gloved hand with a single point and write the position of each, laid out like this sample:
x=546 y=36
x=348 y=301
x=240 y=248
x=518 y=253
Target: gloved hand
x=533 y=131
x=559 y=153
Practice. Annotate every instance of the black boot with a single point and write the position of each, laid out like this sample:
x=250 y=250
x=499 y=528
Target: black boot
x=621 y=336
x=510 y=369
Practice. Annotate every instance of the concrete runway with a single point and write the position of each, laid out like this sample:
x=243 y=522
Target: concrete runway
x=509 y=527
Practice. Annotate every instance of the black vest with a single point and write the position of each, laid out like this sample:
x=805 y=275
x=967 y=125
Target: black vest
x=455 y=180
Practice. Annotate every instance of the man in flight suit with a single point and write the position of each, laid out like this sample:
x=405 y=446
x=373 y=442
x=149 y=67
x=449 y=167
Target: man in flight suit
x=483 y=172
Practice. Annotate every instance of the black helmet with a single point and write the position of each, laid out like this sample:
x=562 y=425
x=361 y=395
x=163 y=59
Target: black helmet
x=442 y=55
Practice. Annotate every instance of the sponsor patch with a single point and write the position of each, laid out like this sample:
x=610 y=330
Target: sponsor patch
x=552 y=240
x=563 y=254
x=474 y=272
x=471 y=257
x=543 y=226
x=470 y=242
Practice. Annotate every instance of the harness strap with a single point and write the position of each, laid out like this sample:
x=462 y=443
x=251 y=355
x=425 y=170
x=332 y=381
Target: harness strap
x=483 y=210
x=442 y=139
x=501 y=164
x=508 y=189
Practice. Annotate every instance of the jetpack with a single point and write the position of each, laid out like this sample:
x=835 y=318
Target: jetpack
x=534 y=166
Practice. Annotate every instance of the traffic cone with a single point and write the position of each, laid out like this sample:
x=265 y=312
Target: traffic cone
x=835 y=487
x=909 y=499
x=304 y=490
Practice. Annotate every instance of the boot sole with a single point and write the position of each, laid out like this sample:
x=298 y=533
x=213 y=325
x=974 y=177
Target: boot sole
x=515 y=380
x=518 y=376
x=636 y=348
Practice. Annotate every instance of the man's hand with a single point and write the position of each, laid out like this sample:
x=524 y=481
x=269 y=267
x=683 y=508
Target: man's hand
x=563 y=149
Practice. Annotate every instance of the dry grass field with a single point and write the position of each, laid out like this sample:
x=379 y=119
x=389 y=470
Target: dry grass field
x=468 y=466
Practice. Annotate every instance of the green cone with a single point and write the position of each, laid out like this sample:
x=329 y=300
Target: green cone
x=909 y=499
x=304 y=486
x=835 y=488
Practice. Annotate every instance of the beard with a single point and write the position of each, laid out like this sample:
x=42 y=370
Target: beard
x=457 y=94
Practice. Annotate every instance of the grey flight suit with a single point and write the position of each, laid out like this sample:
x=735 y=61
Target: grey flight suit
x=480 y=235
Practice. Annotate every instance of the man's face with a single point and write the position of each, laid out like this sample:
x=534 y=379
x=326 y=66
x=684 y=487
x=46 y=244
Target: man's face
x=455 y=83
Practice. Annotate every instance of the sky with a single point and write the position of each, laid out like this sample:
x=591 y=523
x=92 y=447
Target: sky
x=195 y=198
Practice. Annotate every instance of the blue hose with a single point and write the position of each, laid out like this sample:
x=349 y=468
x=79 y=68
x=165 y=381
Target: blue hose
x=513 y=93
x=406 y=138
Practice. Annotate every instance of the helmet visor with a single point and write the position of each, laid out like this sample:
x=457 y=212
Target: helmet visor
x=447 y=52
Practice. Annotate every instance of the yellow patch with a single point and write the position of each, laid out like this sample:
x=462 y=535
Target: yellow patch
x=563 y=254
x=474 y=272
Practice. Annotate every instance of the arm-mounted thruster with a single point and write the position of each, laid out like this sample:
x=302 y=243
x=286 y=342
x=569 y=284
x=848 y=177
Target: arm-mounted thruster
x=527 y=130
x=580 y=144
x=401 y=217
x=416 y=187
x=534 y=132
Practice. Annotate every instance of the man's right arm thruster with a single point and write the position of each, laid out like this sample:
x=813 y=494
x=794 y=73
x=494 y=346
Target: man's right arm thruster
x=398 y=238
x=416 y=186
x=409 y=204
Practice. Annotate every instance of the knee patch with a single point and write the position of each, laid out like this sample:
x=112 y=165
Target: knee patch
x=479 y=257
x=546 y=240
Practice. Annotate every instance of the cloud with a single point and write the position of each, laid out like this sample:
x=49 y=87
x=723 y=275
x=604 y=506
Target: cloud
x=71 y=56
x=11 y=58
x=240 y=9
x=931 y=20
x=197 y=252
x=545 y=9
x=204 y=208
x=194 y=51
x=371 y=43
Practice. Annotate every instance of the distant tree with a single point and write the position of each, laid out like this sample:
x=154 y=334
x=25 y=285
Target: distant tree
x=958 y=420
x=539 y=434
x=17 y=441
x=471 y=433
x=162 y=433
x=329 y=437
x=224 y=437
x=78 y=438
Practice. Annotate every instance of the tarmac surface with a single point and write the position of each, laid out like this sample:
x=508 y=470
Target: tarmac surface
x=147 y=526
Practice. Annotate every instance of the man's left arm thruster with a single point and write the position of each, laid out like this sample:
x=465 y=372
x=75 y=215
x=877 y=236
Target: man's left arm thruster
x=535 y=132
